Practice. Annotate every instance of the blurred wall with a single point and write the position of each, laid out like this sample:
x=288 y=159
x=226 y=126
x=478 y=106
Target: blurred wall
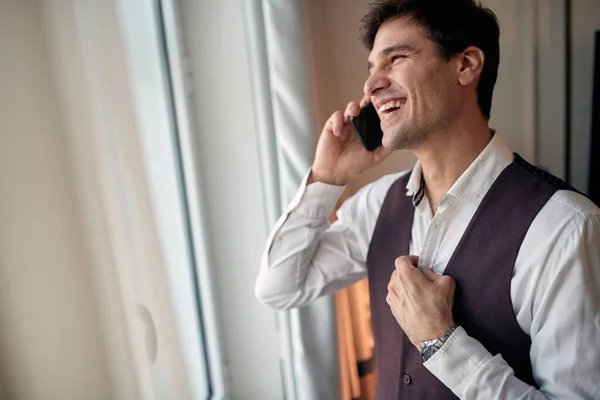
x=2 y=388
x=50 y=345
x=586 y=20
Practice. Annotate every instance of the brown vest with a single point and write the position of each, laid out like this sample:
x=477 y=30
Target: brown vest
x=482 y=266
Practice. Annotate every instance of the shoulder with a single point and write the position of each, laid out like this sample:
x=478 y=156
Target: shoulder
x=362 y=209
x=566 y=207
x=374 y=193
x=566 y=211
x=573 y=204
x=564 y=234
x=559 y=255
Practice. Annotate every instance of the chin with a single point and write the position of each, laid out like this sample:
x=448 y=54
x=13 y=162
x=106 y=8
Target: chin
x=394 y=139
x=390 y=137
x=402 y=139
x=388 y=142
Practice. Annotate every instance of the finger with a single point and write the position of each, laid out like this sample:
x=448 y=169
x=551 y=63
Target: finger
x=407 y=261
x=337 y=119
x=429 y=274
x=389 y=299
x=447 y=282
x=390 y=287
x=329 y=124
x=408 y=276
x=352 y=110
x=403 y=267
x=365 y=100
x=414 y=260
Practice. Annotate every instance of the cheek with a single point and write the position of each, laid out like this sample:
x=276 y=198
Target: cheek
x=432 y=88
x=433 y=100
x=445 y=86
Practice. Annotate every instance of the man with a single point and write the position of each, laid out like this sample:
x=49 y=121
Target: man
x=504 y=302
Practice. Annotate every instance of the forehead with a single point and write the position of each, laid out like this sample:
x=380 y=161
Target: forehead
x=399 y=31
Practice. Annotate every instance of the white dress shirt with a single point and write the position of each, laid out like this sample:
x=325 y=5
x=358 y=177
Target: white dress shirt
x=555 y=288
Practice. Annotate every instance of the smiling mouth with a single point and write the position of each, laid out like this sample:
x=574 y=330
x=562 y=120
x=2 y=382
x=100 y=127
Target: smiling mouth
x=388 y=108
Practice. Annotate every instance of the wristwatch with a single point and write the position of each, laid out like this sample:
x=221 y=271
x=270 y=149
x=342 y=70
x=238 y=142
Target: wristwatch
x=430 y=347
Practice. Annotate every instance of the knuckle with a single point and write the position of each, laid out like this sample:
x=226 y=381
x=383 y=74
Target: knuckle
x=402 y=267
x=400 y=261
x=390 y=286
x=450 y=282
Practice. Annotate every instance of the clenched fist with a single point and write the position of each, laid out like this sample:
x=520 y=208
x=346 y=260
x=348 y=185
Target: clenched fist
x=420 y=300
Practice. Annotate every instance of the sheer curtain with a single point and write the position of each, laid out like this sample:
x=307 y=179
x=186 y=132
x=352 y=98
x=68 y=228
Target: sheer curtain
x=116 y=103
x=308 y=336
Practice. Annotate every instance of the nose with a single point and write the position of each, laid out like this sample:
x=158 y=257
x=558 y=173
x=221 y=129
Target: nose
x=375 y=82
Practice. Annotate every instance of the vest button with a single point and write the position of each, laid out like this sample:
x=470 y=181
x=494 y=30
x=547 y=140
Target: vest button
x=407 y=379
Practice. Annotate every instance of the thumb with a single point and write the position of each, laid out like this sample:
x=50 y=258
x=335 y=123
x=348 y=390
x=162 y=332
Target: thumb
x=414 y=260
x=429 y=274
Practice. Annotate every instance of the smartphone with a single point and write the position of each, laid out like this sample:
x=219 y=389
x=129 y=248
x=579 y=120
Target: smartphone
x=368 y=127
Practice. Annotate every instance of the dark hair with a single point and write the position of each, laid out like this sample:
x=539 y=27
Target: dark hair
x=453 y=25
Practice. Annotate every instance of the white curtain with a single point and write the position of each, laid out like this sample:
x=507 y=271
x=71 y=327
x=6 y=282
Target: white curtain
x=120 y=129
x=285 y=126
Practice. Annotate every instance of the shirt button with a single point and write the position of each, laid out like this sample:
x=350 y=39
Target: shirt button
x=407 y=379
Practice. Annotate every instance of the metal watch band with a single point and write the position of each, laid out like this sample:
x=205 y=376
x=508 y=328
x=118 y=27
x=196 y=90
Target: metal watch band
x=430 y=347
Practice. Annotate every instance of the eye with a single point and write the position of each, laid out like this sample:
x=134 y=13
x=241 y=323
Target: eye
x=397 y=56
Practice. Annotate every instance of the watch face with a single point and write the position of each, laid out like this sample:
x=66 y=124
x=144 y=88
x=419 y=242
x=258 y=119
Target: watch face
x=428 y=352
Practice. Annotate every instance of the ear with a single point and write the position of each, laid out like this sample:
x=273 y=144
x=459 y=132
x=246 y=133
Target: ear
x=470 y=65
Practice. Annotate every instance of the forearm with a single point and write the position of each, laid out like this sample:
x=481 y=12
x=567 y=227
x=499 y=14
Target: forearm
x=471 y=372
x=305 y=257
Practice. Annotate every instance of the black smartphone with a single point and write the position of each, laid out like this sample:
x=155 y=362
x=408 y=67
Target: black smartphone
x=368 y=127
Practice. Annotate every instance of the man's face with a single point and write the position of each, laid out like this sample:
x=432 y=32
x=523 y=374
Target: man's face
x=414 y=90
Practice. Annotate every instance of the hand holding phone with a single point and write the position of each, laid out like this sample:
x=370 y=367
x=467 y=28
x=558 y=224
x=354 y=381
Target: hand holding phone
x=340 y=154
x=368 y=127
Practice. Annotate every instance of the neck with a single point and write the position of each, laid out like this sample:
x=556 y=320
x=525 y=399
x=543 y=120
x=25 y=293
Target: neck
x=448 y=154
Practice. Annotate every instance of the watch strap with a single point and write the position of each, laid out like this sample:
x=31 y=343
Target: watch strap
x=430 y=347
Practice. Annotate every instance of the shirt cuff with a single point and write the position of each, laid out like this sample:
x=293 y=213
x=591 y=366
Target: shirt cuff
x=315 y=200
x=454 y=363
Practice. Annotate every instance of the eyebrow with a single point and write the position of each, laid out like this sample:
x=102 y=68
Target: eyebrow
x=392 y=49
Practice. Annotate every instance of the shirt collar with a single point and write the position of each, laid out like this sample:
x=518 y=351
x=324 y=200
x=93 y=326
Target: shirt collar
x=416 y=184
x=474 y=183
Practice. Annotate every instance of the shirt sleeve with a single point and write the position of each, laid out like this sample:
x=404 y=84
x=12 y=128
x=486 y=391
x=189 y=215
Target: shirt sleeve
x=306 y=257
x=565 y=333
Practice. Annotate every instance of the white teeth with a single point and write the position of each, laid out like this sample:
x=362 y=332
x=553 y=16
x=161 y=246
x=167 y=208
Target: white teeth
x=391 y=104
